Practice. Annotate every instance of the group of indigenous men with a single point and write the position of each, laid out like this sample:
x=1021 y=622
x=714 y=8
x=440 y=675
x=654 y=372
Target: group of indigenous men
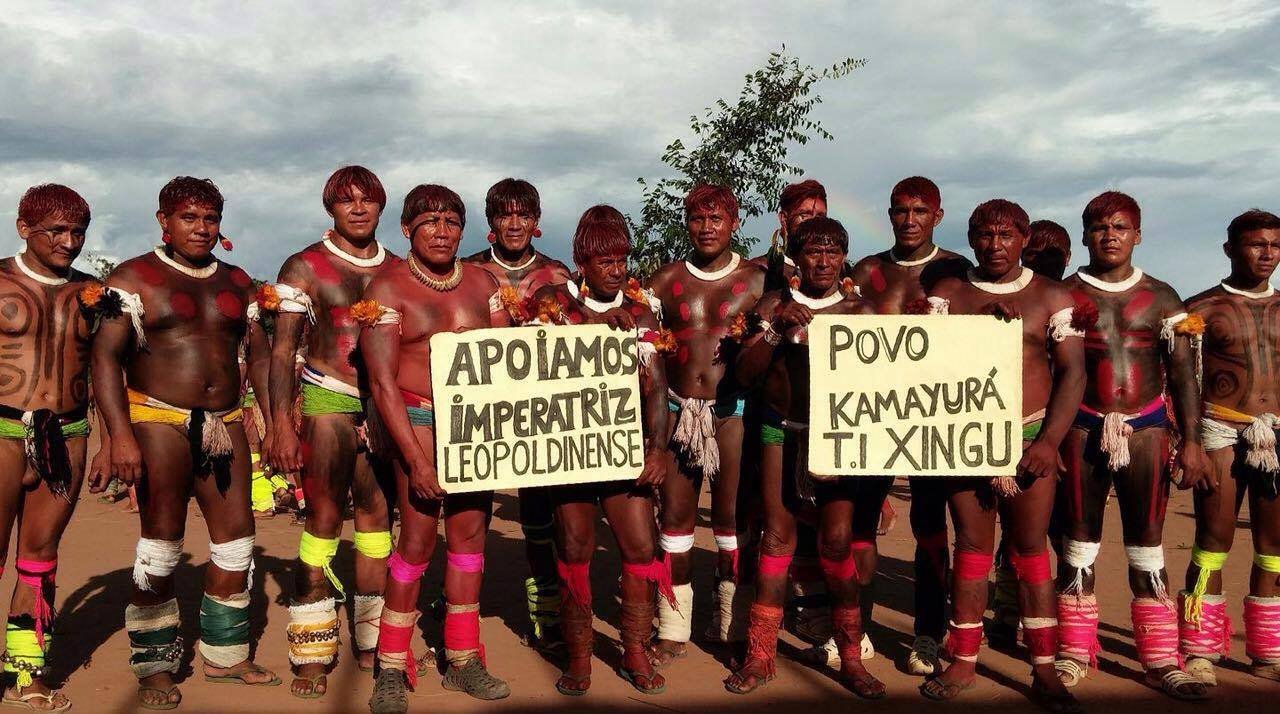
x=1125 y=386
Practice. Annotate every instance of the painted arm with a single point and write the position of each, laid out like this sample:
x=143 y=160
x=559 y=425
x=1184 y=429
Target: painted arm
x=282 y=449
x=757 y=353
x=1042 y=459
x=258 y=360
x=654 y=412
x=111 y=346
x=1192 y=462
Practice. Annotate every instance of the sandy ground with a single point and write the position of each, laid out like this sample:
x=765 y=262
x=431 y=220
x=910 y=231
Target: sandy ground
x=90 y=659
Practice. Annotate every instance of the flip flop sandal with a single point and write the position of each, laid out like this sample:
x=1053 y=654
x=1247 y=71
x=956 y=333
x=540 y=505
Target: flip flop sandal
x=1055 y=703
x=1170 y=681
x=314 y=680
x=1202 y=670
x=24 y=701
x=238 y=677
x=571 y=691
x=862 y=687
x=761 y=680
x=935 y=689
x=633 y=678
x=1265 y=671
x=164 y=705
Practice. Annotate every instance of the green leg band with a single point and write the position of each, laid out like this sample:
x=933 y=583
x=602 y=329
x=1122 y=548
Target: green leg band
x=224 y=629
x=772 y=435
x=23 y=654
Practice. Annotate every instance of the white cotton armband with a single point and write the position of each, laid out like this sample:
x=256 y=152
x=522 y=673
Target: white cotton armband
x=939 y=306
x=295 y=301
x=1060 y=327
x=1167 y=327
x=131 y=305
x=253 y=311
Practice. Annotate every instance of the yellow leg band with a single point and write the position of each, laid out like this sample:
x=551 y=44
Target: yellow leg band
x=318 y=553
x=23 y=653
x=373 y=544
x=1208 y=562
x=1269 y=563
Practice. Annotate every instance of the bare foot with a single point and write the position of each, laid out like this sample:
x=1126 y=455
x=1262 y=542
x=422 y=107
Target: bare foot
x=244 y=673
x=366 y=659
x=158 y=692
x=859 y=680
x=957 y=677
x=310 y=681
x=752 y=675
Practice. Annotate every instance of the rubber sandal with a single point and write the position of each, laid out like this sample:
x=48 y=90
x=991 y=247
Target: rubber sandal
x=238 y=677
x=661 y=658
x=24 y=701
x=1202 y=670
x=1070 y=672
x=761 y=680
x=1265 y=670
x=474 y=679
x=390 y=693
x=1055 y=703
x=164 y=705
x=862 y=687
x=633 y=678
x=314 y=680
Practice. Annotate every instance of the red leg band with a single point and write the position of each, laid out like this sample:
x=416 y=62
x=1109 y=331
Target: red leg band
x=577 y=581
x=654 y=572
x=1032 y=569
x=34 y=574
x=394 y=639
x=462 y=630
x=1040 y=641
x=838 y=570
x=964 y=641
x=774 y=564
x=972 y=566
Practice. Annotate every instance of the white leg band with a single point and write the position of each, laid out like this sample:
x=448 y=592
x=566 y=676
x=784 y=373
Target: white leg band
x=1149 y=560
x=673 y=625
x=1079 y=554
x=367 y=610
x=157 y=558
x=726 y=542
x=675 y=542
x=234 y=557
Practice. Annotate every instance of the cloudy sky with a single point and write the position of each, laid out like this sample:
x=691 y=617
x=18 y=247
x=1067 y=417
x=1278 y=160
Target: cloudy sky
x=1044 y=103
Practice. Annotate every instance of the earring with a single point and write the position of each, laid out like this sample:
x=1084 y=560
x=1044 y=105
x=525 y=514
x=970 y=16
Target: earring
x=492 y=238
x=164 y=237
x=537 y=232
x=225 y=241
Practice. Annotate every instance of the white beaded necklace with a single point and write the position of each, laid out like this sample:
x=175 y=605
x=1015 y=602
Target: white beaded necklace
x=913 y=263
x=533 y=255
x=1106 y=287
x=42 y=279
x=715 y=275
x=1271 y=290
x=370 y=262
x=198 y=273
x=595 y=305
x=817 y=303
x=1008 y=288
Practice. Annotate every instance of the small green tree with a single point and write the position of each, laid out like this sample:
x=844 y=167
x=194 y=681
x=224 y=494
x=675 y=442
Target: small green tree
x=743 y=146
x=99 y=266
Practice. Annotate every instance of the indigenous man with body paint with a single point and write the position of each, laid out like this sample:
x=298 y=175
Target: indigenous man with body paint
x=167 y=384
x=513 y=210
x=431 y=291
x=798 y=203
x=44 y=397
x=1140 y=342
x=603 y=294
x=1052 y=387
x=702 y=297
x=776 y=355
x=1238 y=424
x=313 y=294
x=1047 y=253
x=893 y=281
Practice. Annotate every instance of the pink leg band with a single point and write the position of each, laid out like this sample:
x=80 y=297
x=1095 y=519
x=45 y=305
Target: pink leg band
x=33 y=574
x=403 y=571
x=964 y=641
x=1211 y=637
x=1032 y=569
x=774 y=565
x=654 y=572
x=577 y=581
x=1078 y=628
x=972 y=566
x=1262 y=628
x=466 y=562
x=845 y=569
x=462 y=630
x=1155 y=633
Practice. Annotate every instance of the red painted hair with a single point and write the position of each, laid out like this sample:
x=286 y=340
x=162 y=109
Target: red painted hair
x=796 y=193
x=705 y=195
x=1047 y=234
x=602 y=230
x=201 y=192
x=1109 y=202
x=47 y=199
x=918 y=187
x=344 y=179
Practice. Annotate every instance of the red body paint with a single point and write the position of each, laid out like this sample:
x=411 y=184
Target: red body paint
x=320 y=265
x=724 y=309
x=150 y=274
x=183 y=305
x=229 y=305
x=877 y=280
x=739 y=288
x=241 y=278
x=1138 y=304
x=685 y=312
x=677 y=288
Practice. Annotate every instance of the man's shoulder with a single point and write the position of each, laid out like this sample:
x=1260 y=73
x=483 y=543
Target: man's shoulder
x=1159 y=287
x=482 y=256
x=667 y=272
x=551 y=263
x=867 y=262
x=471 y=271
x=1208 y=299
